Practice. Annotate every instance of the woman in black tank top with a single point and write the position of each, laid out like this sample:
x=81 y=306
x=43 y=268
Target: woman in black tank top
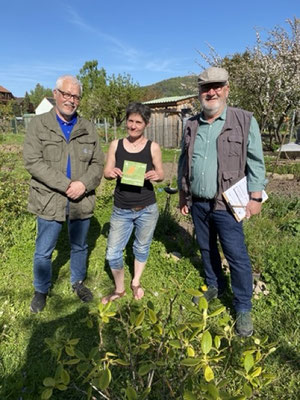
x=134 y=199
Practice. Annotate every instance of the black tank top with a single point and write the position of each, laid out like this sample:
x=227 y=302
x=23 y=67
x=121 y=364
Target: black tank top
x=129 y=196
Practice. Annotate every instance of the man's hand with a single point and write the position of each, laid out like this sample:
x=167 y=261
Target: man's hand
x=75 y=190
x=182 y=204
x=253 y=207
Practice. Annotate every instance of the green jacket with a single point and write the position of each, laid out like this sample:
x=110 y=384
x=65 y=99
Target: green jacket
x=45 y=157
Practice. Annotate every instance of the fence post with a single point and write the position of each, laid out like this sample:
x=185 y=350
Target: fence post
x=115 y=128
x=105 y=130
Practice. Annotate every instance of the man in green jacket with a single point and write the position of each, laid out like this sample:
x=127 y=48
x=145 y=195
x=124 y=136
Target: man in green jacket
x=63 y=156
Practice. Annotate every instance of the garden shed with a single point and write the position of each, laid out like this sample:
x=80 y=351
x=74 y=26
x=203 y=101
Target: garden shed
x=167 y=119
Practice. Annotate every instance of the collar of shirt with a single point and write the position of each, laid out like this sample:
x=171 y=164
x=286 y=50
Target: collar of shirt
x=71 y=123
x=222 y=116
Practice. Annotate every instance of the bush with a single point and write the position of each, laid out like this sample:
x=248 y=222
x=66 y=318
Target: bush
x=161 y=354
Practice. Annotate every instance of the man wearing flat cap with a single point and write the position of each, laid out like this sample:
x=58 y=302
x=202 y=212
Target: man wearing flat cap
x=220 y=146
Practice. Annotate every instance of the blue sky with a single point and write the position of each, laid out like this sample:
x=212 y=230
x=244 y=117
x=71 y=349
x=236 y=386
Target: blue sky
x=151 y=41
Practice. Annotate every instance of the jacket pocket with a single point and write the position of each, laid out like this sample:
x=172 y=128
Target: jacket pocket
x=229 y=178
x=42 y=200
x=52 y=147
x=235 y=143
x=88 y=204
x=86 y=148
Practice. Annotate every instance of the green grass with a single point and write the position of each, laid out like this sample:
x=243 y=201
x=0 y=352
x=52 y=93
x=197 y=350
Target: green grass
x=273 y=243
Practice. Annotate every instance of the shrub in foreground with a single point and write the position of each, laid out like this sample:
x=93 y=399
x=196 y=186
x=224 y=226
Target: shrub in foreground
x=145 y=353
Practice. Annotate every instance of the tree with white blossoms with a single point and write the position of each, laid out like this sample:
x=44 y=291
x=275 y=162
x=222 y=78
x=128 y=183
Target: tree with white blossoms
x=265 y=79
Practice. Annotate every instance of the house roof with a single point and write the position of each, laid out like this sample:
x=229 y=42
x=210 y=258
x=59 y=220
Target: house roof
x=172 y=99
x=3 y=90
x=51 y=100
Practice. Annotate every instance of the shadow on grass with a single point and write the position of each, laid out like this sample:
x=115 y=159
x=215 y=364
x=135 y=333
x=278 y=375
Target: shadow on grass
x=63 y=247
x=27 y=382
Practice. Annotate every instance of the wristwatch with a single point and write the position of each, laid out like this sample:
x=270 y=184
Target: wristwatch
x=258 y=199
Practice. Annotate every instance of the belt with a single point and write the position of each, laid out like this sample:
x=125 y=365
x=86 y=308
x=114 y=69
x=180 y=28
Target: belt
x=201 y=199
x=139 y=208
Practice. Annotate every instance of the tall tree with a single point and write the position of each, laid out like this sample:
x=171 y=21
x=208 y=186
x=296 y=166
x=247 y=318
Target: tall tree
x=94 y=99
x=121 y=91
x=38 y=93
x=266 y=78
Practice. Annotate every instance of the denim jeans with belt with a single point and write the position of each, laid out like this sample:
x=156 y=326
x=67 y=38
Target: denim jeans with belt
x=211 y=224
x=122 y=223
x=47 y=235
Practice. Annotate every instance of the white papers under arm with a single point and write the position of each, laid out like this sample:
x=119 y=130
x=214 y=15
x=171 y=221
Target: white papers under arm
x=237 y=197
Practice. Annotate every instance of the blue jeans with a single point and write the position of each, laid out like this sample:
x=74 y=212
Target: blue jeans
x=209 y=225
x=47 y=235
x=122 y=223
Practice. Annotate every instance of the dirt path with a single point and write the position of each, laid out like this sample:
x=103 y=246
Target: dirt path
x=279 y=184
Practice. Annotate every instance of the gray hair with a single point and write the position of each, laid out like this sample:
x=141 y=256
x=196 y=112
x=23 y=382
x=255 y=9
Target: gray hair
x=71 y=78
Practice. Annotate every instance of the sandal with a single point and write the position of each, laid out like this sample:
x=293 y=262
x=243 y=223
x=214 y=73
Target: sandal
x=112 y=297
x=135 y=290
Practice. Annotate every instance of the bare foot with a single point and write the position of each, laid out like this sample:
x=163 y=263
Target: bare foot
x=112 y=297
x=138 y=291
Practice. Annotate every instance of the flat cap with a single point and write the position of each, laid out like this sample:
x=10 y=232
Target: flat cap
x=212 y=75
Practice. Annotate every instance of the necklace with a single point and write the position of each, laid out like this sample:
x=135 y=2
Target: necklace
x=136 y=143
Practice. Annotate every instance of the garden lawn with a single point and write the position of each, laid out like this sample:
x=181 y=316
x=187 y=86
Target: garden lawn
x=273 y=243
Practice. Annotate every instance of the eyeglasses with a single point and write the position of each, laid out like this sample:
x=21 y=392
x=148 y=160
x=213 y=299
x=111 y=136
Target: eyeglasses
x=217 y=87
x=68 y=96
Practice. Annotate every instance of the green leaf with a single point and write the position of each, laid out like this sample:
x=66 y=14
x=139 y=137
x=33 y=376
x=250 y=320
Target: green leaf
x=247 y=390
x=208 y=374
x=70 y=351
x=190 y=362
x=248 y=362
x=158 y=329
x=196 y=325
x=61 y=387
x=144 y=346
x=65 y=377
x=49 y=382
x=144 y=369
x=217 y=341
x=187 y=395
x=203 y=304
x=140 y=318
x=79 y=354
x=206 y=342
x=181 y=328
x=213 y=391
x=105 y=379
x=194 y=292
x=190 y=351
x=217 y=312
x=110 y=314
x=175 y=343
x=121 y=362
x=152 y=316
x=73 y=342
x=58 y=372
x=92 y=354
x=131 y=393
x=72 y=362
x=150 y=305
x=46 y=394
x=256 y=372
x=145 y=393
